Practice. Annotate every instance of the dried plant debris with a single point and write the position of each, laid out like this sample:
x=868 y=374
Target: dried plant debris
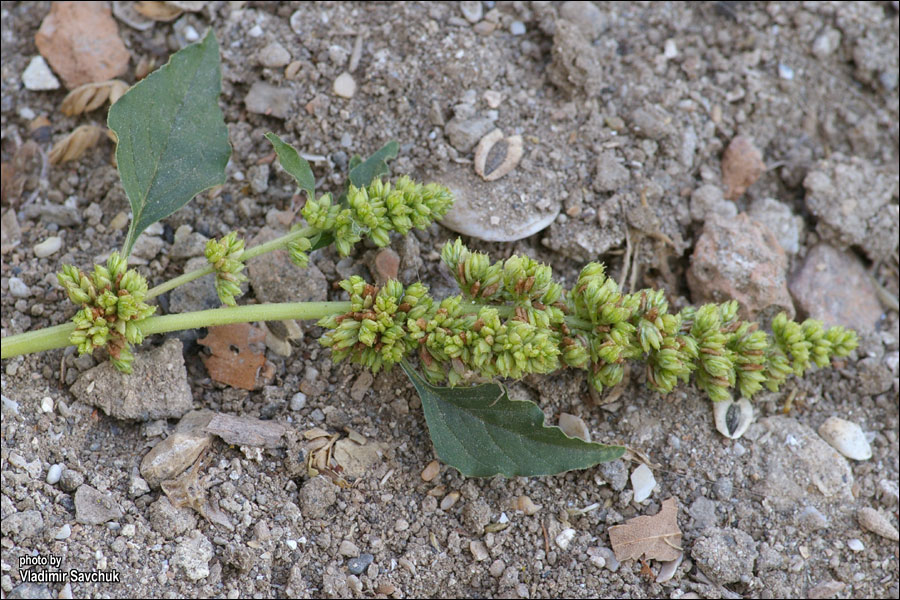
x=92 y=96
x=247 y=431
x=237 y=356
x=76 y=143
x=158 y=11
x=657 y=537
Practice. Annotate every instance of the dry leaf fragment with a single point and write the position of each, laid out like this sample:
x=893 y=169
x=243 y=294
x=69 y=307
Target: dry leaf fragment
x=158 y=11
x=247 y=431
x=76 y=143
x=92 y=96
x=657 y=537
x=237 y=359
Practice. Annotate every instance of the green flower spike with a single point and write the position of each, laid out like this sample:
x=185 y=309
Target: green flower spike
x=112 y=300
x=225 y=256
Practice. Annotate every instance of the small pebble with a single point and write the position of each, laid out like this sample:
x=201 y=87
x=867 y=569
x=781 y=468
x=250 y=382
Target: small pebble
x=54 y=473
x=344 y=85
x=527 y=505
x=472 y=10
x=479 y=550
x=431 y=471
x=785 y=72
x=401 y=525
x=47 y=404
x=49 y=246
x=298 y=401
x=643 y=482
x=889 y=491
x=874 y=521
x=846 y=437
x=449 y=500
x=855 y=545
x=517 y=28
x=565 y=538
x=497 y=567
x=359 y=564
x=38 y=76
x=64 y=532
x=348 y=549
x=18 y=288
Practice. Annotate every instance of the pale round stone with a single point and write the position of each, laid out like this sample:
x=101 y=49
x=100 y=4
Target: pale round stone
x=49 y=246
x=846 y=437
x=344 y=85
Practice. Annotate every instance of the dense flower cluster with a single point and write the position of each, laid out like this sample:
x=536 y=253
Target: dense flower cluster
x=512 y=319
x=376 y=210
x=373 y=211
x=112 y=300
x=225 y=256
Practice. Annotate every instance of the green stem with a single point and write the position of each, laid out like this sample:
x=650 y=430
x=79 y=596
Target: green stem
x=253 y=252
x=58 y=336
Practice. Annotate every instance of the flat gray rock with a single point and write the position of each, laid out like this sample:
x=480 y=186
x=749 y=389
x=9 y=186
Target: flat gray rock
x=156 y=389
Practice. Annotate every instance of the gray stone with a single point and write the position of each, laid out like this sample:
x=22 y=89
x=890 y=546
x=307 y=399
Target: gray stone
x=93 y=507
x=170 y=521
x=726 y=555
x=187 y=243
x=834 y=287
x=586 y=16
x=62 y=215
x=267 y=99
x=652 y=122
x=359 y=564
x=275 y=278
x=709 y=199
x=852 y=199
x=780 y=220
x=615 y=473
x=475 y=515
x=273 y=55
x=498 y=211
x=795 y=460
x=703 y=511
x=22 y=525
x=611 y=174
x=316 y=497
x=156 y=389
x=465 y=133
x=18 y=288
x=584 y=240
x=193 y=555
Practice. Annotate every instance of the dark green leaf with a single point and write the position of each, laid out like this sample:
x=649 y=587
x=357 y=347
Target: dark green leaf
x=172 y=139
x=355 y=161
x=481 y=432
x=364 y=173
x=321 y=240
x=295 y=165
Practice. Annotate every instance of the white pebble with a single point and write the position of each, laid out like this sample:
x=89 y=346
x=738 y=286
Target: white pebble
x=49 y=246
x=255 y=31
x=18 y=288
x=190 y=34
x=38 y=76
x=298 y=401
x=565 y=538
x=517 y=28
x=472 y=10
x=643 y=482
x=670 y=49
x=785 y=71
x=47 y=404
x=846 y=437
x=855 y=545
x=64 y=532
x=344 y=85
x=54 y=473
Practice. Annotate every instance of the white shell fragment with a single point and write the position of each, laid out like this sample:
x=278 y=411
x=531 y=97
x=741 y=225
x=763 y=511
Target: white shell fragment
x=496 y=155
x=643 y=482
x=565 y=538
x=669 y=568
x=733 y=418
x=574 y=427
x=846 y=437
